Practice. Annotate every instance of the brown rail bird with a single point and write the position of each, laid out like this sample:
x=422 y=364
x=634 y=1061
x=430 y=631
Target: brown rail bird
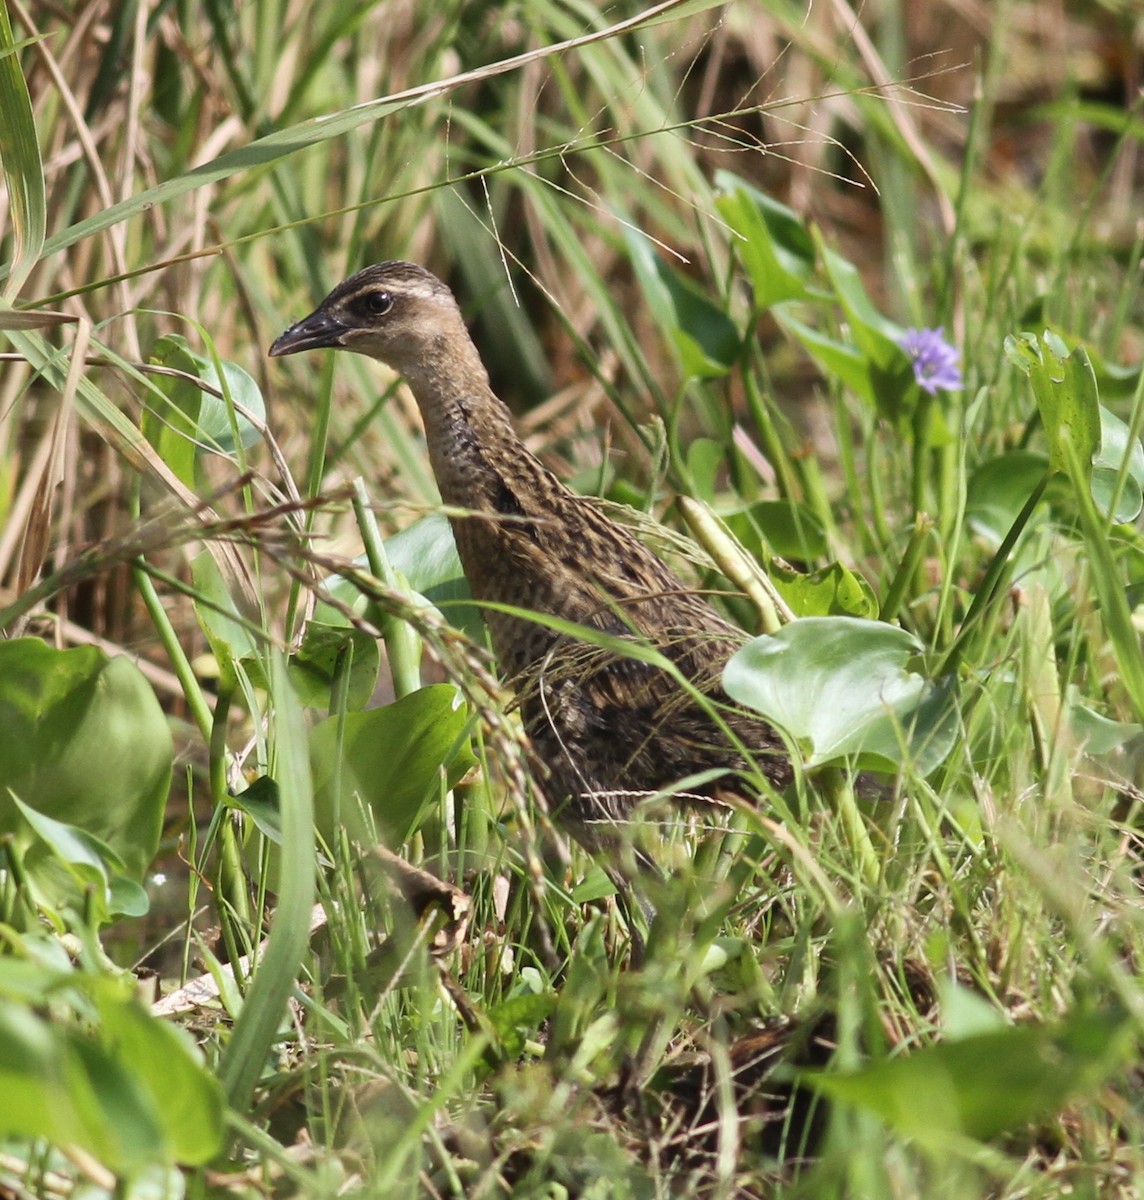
x=611 y=727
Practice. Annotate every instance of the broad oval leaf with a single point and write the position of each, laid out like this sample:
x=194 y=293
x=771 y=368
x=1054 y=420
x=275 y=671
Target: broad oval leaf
x=999 y=489
x=393 y=759
x=121 y=1084
x=1116 y=445
x=841 y=686
x=84 y=742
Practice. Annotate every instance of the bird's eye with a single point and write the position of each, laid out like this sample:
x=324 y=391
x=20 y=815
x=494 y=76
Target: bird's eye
x=376 y=303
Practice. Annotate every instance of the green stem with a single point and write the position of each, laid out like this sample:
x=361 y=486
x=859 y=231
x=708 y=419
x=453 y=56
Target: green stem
x=840 y=789
x=770 y=441
x=994 y=577
x=193 y=694
x=402 y=645
x=907 y=568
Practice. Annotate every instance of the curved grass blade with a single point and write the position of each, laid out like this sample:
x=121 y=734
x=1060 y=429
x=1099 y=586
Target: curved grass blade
x=22 y=165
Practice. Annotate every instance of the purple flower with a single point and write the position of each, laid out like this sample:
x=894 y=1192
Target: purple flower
x=934 y=359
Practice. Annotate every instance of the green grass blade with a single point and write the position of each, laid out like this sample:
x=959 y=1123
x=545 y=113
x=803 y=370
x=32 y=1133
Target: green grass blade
x=23 y=168
x=273 y=980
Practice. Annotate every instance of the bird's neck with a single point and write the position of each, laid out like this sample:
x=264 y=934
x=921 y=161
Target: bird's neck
x=470 y=435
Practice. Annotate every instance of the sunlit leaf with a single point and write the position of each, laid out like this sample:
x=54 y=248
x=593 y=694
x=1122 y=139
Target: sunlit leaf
x=1106 y=468
x=843 y=688
x=1065 y=389
x=185 y=419
x=831 y=591
x=845 y=363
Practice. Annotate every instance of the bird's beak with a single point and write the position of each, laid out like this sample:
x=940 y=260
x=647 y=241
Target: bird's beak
x=316 y=332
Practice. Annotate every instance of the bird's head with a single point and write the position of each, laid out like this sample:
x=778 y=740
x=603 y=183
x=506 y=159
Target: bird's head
x=395 y=311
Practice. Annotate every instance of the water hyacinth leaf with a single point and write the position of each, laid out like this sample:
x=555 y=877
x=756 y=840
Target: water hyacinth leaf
x=262 y=804
x=64 y=1088
x=84 y=742
x=846 y=364
x=185 y=420
x=783 y=527
x=986 y=1084
x=831 y=591
x=841 y=686
x=425 y=555
x=1100 y=736
x=66 y=866
x=706 y=341
x=121 y=1084
x=1116 y=446
x=999 y=489
x=1065 y=389
x=393 y=760
x=314 y=667
x=774 y=245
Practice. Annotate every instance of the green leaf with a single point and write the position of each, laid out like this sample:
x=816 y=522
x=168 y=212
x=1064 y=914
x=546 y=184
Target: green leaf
x=67 y=865
x=84 y=742
x=183 y=1097
x=515 y=1018
x=773 y=244
x=999 y=489
x=121 y=1084
x=185 y=420
x=426 y=556
x=706 y=341
x=229 y=635
x=831 y=591
x=264 y=1007
x=314 y=666
x=843 y=362
x=261 y=803
x=783 y=527
x=1115 y=448
x=874 y=334
x=1100 y=736
x=987 y=1084
x=841 y=686
x=1065 y=389
x=393 y=759
x=704 y=458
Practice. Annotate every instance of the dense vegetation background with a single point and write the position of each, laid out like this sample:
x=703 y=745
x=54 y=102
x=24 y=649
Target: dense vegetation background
x=690 y=240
